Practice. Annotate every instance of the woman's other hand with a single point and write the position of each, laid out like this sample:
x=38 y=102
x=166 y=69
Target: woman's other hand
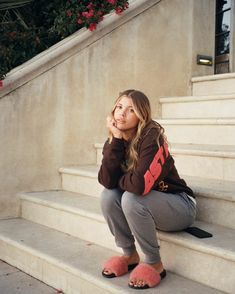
x=111 y=125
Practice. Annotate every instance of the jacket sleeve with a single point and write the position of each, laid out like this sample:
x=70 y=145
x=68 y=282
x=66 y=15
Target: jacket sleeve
x=110 y=170
x=153 y=165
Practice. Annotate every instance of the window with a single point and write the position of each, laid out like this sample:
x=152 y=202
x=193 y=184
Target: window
x=222 y=35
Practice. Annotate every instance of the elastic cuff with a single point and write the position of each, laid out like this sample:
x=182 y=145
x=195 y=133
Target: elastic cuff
x=151 y=259
x=129 y=251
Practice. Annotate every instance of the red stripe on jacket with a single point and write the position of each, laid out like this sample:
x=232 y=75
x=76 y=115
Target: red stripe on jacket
x=155 y=168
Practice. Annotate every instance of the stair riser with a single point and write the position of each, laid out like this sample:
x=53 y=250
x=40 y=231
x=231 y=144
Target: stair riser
x=216 y=87
x=179 y=256
x=75 y=225
x=46 y=271
x=202 y=109
x=220 y=168
x=205 y=167
x=195 y=134
x=81 y=184
x=214 y=211
x=204 y=268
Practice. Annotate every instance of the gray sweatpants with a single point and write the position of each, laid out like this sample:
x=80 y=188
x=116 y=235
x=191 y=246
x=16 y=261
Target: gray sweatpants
x=130 y=216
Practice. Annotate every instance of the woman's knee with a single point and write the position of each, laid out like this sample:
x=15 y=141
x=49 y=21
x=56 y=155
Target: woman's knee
x=110 y=198
x=130 y=203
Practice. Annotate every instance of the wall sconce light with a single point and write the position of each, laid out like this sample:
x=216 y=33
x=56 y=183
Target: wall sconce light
x=204 y=60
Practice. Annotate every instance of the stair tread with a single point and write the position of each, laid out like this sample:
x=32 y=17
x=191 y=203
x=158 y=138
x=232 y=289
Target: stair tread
x=222 y=243
x=213 y=77
x=69 y=201
x=196 y=121
x=197 y=149
x=219 y=189
x=213 y=188
x=196 y=98
x=204 y=147
x=82 y=258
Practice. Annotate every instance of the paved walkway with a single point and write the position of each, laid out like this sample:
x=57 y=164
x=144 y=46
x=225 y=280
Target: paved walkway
x=14 y=281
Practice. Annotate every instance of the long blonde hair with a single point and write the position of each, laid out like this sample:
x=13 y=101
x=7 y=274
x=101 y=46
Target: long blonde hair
x=142 y=109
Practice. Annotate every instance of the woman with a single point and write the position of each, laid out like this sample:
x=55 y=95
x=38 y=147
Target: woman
x=143 y=191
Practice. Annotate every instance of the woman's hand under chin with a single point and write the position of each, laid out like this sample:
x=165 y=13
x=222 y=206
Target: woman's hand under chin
x=111 y=125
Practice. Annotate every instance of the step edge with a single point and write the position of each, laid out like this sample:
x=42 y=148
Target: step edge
x=213 y=77
x=197 y=121
x=214 y=251
x=60 y=264
x=203 y=153
x=76 y=171
x=62 y=207
x=196 y=98
x=174 y=149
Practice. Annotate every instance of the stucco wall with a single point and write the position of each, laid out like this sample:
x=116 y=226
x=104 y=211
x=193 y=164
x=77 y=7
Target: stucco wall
x=54 y=119
x=203 y=33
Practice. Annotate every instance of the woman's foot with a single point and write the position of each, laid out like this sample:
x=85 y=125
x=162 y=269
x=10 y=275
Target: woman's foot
x=131 y=262
x=141 y=280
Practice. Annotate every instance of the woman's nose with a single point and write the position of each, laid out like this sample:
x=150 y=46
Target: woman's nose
x=123 y=112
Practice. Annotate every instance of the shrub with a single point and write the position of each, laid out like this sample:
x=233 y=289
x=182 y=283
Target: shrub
x=33 y=27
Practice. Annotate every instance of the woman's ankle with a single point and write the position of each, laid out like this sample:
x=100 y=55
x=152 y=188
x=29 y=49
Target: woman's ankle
x=133 y=257
x=158 y=266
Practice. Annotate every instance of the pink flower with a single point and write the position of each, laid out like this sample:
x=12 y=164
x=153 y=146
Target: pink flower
x=89 y=6
x=92 y=26
x=79 y=21
x=1 y=83
x=88 y=14
x=69 y=13
x=111 y=1
x=118 y=10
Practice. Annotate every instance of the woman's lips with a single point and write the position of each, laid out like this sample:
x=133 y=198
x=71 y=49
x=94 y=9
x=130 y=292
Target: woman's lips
x=121 y=121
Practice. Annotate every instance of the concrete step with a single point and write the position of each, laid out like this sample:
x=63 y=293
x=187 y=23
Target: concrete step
x=14 y=281
x=195 y=131
x=71 y=264
x=213 y=85
x=215 y=200
x=72 y=213
x=214 y=196
x=207 y=161
x=218 y=252
x=81 y=180
x=216 y=106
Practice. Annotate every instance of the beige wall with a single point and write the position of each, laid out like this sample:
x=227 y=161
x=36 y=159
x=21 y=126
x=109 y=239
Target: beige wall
x=203 y=35
x=55 y=119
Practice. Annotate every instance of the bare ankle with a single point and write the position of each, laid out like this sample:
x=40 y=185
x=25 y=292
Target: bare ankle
x=134 y=257
x=158 y=266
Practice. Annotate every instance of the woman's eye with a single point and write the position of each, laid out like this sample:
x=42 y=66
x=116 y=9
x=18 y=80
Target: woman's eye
x=132 y=110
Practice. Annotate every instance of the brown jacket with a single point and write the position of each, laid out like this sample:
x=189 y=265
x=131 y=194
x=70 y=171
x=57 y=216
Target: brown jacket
x=155 y=169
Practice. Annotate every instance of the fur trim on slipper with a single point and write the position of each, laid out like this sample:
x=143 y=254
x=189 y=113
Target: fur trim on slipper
x=148 y=274
x=118 y=266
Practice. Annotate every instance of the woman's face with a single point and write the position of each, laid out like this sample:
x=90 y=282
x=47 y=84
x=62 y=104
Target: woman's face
x=124 y=115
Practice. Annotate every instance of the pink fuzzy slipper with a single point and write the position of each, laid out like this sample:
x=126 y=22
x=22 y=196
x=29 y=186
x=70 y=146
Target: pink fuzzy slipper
x=147 y=273
x=118 y=265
